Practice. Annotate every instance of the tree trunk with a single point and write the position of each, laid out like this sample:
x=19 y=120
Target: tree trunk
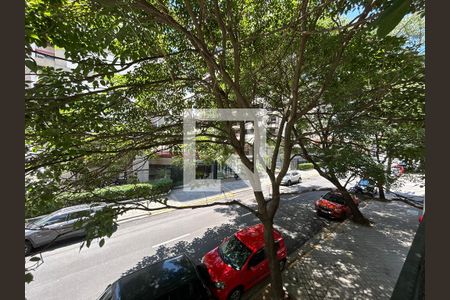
x=266 y=216
x=388 y=173
x=358 y=217
x=381 y=191
x=274 y=266
x=356 y=213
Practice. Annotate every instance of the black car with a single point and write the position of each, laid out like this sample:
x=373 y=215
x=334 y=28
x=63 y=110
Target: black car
x=175 y=278
x=365 y=186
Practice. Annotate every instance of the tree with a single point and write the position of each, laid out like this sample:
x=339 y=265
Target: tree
x=137 y=60
x=360 y=129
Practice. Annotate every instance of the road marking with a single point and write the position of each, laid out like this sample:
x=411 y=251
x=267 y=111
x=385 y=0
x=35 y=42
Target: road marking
x=174 y=239
x=292 y=198
x=246 y=214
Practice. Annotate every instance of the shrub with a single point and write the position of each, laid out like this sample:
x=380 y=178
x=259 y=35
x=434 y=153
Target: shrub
x=107 y=194
x=305 y=166
x=121 y=192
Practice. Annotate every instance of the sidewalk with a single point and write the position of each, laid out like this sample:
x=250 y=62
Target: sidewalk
x=353 y=261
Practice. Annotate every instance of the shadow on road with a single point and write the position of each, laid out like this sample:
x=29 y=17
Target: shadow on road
x=56 y=245
x=296 y=220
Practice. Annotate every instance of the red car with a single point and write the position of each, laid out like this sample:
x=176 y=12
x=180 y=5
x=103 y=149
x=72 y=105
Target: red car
x=332 y=204
x=240 y=262
x=423 y=212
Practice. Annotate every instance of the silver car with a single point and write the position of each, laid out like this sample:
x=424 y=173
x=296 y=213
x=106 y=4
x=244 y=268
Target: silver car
x=58 y=225
x=291 y=177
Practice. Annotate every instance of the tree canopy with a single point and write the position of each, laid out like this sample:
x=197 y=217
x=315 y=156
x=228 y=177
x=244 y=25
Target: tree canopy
x=134 y=61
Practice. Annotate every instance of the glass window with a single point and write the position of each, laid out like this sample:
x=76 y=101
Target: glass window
x=257 y=258
x=336 y=198
x=233 y=252
x=180 y=293
x=79 y=214
x=107 y=294
x=56 y=219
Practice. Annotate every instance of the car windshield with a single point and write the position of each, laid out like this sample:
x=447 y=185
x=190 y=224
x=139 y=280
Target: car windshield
x=43 y=220
x=334 y=198
x=364 y=182
x=233 y=252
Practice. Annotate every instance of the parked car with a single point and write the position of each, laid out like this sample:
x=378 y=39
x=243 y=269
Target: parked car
x=365 y=186
x=176 y=278
x=397 y=169
x=240 y=262
x=291 y=177
x=332 y=204
x=423 y=213
x=58 y=225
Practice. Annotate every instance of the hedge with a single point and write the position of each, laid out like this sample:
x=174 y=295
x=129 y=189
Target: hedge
x=107 y=194
x=305 y=166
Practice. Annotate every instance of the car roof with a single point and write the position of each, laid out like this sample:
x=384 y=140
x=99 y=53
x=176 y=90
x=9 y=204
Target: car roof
x=155 y=280
x=76 y=208
x=253 y=236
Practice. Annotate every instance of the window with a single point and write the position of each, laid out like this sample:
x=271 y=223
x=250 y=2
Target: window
x=56 y=219
x=186 y=291
x=79 y=214
x=107 y=294
x=333 y=197
x=257 y=258
x=233 y=252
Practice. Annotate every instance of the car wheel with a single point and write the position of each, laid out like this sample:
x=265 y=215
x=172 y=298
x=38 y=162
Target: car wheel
x=282 y=264
x=289 y=183
x=235 y=294
x=28 y=247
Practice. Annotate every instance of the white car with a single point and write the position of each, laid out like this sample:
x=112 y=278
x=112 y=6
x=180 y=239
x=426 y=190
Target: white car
x=291 y=177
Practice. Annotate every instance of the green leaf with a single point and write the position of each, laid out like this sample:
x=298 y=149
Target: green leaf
x=28 y=277
x=101 y=243
x=390 y=18
x=35 y=258
x=31 y=64
x=35 y=37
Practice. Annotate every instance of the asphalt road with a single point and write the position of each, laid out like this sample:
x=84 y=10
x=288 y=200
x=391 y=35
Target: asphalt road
x=68 y=273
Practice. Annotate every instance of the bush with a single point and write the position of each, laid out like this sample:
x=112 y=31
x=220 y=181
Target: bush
x=305 y=166
x=107 y=194
x=121 y=192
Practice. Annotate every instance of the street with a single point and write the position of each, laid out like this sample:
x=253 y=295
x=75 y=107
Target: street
x=68 y=273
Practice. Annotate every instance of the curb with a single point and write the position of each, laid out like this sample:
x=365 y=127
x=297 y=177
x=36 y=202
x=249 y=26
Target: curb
x=307 y=191
x=304 y=250
x=188 y=203
x=144 y=215
x=208 y=200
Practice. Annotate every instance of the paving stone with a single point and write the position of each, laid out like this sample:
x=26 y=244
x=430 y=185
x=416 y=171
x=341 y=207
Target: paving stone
x=356 y=262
